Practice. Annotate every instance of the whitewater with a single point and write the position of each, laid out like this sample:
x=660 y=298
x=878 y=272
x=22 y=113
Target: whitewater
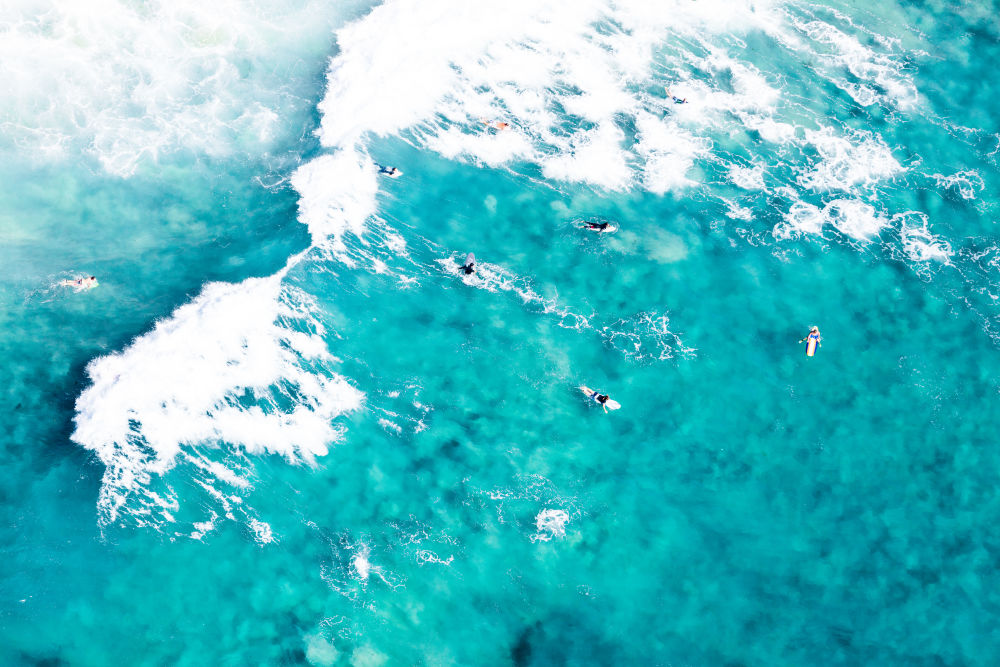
x=287 y=429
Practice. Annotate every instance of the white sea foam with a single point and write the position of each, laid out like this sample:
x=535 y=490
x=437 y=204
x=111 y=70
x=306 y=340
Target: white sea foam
x=801 y=218
x=861 y=158
x=594 y=156
x=768 y=128
x=854 y=218
x=851 y=217
x=876 y=77
x=186 y=383
x=362 y=566
x=642 y=337
x=748 y=178
x=351 y=569
x=669 y=152
x=737 y=212
x=561 y=73
x=550 y=523
x=919 y=244
x=125 y=81
x=262 y=532
x=966 y=183
x=337 y=194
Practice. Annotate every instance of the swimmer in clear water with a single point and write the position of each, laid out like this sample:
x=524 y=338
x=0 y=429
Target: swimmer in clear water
x=81 y=283
x=676 y=100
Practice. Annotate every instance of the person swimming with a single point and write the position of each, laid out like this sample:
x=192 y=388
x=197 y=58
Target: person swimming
x=602 y=399
x=81 y=283
x=675 y=99
x=813 y=336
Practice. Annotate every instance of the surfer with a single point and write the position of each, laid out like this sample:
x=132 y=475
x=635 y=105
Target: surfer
x=81 y=283
x=812 y=341
x=602 y=399
x=597 y=226
x=675 y=99
x=470 y=264
x=391 y=172
x=495 y=124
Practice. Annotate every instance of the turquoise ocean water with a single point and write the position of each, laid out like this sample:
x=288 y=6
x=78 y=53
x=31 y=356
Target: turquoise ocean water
x=286 y=430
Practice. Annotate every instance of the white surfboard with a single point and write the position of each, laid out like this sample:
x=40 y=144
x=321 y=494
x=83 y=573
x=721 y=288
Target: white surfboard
x=611 y=404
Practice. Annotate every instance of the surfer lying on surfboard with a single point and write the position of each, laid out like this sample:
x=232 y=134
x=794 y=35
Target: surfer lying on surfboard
x=812 y=341
x=470 y=264
x=81 y=284
x=391 y=172
x=602 y=399
x=601 y=226
x=495 y=124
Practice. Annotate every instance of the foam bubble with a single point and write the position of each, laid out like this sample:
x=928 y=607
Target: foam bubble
x=361 y=564
x=854 y=218
x=669 y=153
x=550 y=523
x=920 y=245
x=965 y=183
x=748 y=178
x=593 y=157
x=851 y=217
x=737 y=212
x=860 y=159
x=262 y=532
x=337 y=194
x=801 y=218
x=877 y=77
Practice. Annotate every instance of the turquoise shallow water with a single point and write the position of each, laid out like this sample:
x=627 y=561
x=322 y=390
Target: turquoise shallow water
x=747 y=505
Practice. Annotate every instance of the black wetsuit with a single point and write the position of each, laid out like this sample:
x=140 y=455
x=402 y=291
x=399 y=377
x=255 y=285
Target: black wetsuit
x=469 y=268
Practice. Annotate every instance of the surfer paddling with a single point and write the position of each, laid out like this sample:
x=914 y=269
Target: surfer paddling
x=597 y=226
x=812 y=341
x=470 y=264
x=81 y=284
x=391 y=172
x=495 y=124
x=603 y=400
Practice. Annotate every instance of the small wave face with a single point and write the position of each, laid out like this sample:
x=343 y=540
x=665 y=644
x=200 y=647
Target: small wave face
x=242 y=368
